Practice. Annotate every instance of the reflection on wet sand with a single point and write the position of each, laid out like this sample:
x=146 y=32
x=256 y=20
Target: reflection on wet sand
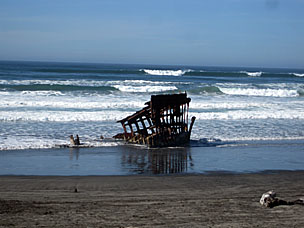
x=156 y=161
x=74 y=152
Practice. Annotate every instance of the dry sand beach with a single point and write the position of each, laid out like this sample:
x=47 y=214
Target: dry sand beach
x=213 y=200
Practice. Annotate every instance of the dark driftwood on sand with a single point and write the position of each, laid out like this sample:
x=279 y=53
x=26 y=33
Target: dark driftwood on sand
x=270 y=200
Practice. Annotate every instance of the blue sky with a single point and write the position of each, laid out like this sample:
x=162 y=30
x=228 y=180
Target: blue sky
x=265 y=33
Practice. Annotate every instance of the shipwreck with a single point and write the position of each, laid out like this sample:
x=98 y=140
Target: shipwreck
x=162 y=123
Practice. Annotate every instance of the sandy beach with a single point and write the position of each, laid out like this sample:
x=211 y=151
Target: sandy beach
x=151 y=114
x=213 y=200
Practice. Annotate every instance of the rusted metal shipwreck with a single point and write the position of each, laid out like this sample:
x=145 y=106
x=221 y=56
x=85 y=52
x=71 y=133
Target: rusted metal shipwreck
x=162 y=123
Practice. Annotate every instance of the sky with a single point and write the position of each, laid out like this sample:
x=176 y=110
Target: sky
x=254 y=33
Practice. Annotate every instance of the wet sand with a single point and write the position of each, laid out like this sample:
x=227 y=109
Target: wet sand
x=130 y=159
x=213 y=200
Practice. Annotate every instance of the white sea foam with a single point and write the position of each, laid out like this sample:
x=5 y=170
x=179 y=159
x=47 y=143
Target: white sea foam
x=83 y=82
x=62 y=116
x=197 y=104
x=146 y=82
x=260 y=92
x=76 y=116
x=93 y=83
x=31 y=142
x=69 y=101
x=247 y=114
x=68 y=104
x=253 y=74
x=143 y=82
x=144 y=89
x=42 y=93
x=166 y=72
x=80 y=82
x=5 y=93
x=245 y=139
x=46 y=82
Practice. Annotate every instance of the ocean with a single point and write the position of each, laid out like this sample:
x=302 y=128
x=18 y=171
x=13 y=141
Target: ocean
x=43 y=103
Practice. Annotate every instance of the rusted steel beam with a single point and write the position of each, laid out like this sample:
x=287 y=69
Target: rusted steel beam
x=135 y=115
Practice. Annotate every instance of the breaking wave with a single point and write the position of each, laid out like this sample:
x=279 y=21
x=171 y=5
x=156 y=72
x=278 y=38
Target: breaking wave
x=82 y=103
x=166 y=72
x=261 y=92
x=112 y=116
x=268 y=92
x=297 y=74
x=246 y=114
x=56 y=87
x=144 y=89
x=62 y=116
x=252 y=74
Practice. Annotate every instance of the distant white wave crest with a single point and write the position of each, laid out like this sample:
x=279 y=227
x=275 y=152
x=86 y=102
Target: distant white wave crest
x=144 y=89
x=253 y=74
x=297 y=74
x=124 y=86
x=166 y=72
x=83 y=82
x=260 y=92
x=42 y=93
